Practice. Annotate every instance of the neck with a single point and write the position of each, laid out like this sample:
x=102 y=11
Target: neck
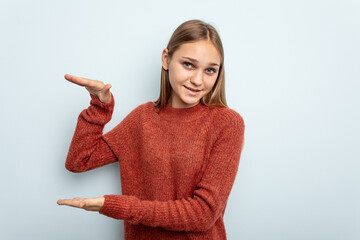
x=183 y=114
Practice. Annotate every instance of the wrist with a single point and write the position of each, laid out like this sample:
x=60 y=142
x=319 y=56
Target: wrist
x=106 y=99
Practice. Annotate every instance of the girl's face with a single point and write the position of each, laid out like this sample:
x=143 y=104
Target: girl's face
x=193 y=70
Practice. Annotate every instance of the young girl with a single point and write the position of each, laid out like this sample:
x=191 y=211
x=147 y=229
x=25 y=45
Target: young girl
x=178 y=156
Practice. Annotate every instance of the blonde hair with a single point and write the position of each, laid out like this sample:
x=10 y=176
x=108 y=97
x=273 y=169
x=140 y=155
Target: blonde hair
x=191 y=31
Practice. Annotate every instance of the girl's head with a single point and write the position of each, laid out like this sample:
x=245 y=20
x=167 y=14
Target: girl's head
x=193 y=67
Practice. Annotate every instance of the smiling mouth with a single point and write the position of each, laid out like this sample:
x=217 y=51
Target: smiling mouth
x=191 y=89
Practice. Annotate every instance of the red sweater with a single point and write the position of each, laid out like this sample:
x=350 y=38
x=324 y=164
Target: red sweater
x=177 y=166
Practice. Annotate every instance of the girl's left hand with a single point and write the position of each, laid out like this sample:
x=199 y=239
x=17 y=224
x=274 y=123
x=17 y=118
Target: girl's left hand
x=89 y=204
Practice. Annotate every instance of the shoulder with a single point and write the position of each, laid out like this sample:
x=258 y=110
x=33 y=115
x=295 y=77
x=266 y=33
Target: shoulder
x=148 y=106
x=141 y=113
x=228 y=128
x=228 y=124
x=227 y=118
x=145 y=107
x=132 y=120
x=141 y=109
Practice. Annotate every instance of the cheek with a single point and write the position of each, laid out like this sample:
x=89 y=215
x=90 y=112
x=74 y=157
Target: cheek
x=178 y=74
x=210 y=83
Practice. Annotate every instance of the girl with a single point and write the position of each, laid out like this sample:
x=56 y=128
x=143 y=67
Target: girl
x=178 y=156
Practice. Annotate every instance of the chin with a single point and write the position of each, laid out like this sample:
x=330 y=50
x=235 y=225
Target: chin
x=191 y=102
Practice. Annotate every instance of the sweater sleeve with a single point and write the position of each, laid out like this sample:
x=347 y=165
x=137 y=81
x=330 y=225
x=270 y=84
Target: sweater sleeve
x=199 y=212
x=88 y=149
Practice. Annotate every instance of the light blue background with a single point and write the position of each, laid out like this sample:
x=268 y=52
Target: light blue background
x=292 y=72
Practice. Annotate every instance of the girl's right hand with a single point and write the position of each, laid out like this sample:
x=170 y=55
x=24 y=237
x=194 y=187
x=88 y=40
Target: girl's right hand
x=95 y=87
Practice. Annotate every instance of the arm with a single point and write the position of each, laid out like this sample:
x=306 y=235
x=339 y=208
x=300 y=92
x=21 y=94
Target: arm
x=196 y=213
x=88 y=149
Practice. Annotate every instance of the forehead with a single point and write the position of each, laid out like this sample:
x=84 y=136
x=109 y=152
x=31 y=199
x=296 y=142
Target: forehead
x=204 y=51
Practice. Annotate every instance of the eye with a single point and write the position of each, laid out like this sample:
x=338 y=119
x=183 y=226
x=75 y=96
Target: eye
x=211 y=70
x=187 y=64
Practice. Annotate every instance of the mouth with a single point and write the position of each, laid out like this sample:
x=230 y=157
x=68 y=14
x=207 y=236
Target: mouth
x=192 y=89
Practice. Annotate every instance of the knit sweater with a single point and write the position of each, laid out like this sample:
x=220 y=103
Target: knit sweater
x=177 y=166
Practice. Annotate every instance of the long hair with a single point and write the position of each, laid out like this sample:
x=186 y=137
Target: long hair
x=191 y=31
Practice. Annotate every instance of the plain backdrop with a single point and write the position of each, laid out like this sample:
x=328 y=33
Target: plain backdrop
x=292 y=72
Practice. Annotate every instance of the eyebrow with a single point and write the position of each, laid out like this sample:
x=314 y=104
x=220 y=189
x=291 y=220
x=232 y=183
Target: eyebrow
x=196 y=61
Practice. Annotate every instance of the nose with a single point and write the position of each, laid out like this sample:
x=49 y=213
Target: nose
x=197 y=78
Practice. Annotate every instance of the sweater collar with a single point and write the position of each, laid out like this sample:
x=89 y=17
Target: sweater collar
x=183 y=114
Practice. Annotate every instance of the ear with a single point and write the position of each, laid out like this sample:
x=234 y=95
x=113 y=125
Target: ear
x=165 y=59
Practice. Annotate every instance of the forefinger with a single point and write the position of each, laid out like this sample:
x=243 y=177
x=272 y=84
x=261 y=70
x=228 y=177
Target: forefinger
x=78 y=80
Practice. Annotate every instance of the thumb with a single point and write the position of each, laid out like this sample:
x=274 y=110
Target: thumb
x=107 y=87
x=82 y=204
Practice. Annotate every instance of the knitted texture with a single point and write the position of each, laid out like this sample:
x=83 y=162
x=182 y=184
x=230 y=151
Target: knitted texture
x=177 y=166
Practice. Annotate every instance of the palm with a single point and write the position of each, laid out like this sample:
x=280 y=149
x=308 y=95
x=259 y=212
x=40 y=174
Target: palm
x=95 y=87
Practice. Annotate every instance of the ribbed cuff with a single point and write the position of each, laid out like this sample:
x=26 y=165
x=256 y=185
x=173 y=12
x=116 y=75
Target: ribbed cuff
x=98 y=112
x=117 y=206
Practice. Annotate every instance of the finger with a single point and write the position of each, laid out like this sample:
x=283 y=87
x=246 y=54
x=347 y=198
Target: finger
x=82 y=201
x=71 y=203
x=77 y=198
x=65 y=202
x=78 y=80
